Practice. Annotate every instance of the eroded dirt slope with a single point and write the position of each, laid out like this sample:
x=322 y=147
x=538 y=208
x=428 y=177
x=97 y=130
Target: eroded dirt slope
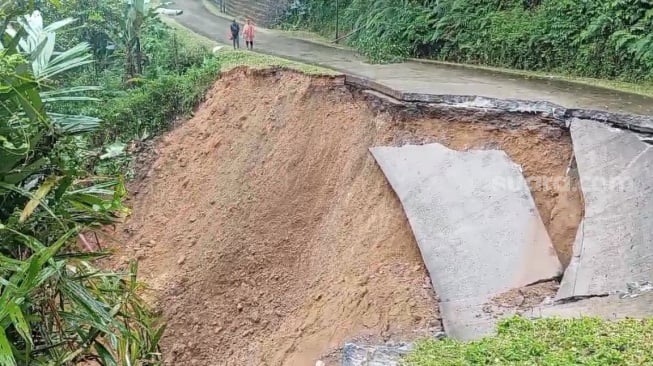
x=270 y=236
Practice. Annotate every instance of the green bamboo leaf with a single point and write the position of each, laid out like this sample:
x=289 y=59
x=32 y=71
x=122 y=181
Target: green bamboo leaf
x=6 y=354
x=104 y=354
x=71 y=124
x=17 y=175
x=13 y=188
x=70 y=99
x=156 y=337
x=37 y=198
x=18 y=320
x=93 y=308
x=74 y=89
x=70 y=357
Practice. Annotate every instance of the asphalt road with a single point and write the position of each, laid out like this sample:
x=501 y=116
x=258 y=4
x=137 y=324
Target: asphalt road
x=419 y=77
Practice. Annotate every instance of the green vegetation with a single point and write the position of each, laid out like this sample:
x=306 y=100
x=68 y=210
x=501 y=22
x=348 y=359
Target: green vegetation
x=608 y=39
x=230 y=59
x=550 y=342
x=147 y=76
x=81 y=81
x=78 y=82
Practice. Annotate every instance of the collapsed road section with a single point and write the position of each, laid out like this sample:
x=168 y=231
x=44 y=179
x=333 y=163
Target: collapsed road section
x=283 y=240
x=614 y=245
x=480 y=236
x=476 y=225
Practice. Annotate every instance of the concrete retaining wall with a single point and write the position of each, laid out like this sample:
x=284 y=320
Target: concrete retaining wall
x=263 y=12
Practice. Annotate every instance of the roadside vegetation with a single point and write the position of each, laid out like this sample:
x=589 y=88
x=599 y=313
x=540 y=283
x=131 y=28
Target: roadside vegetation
x=596 y=39
x=81 y=79
x=551 y=342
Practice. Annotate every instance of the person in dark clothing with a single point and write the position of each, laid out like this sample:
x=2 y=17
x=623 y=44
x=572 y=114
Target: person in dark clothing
x=235 y=33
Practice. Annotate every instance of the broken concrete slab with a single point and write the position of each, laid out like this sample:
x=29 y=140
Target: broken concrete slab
x=476 y=225
x=612 y=307
x=614 y=244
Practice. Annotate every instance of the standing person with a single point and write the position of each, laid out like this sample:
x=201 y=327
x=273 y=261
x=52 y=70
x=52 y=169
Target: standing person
x=235 y=33
x=248 y=33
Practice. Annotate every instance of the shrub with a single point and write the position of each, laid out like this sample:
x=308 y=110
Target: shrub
x=602 y=39
x=148 y=109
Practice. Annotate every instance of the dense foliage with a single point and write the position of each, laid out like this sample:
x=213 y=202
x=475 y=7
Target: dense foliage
x=68 y=108
x=551 y=342
x=593 y=38
x=147 y=77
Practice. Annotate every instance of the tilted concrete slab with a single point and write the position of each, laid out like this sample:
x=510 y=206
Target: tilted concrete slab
x=612 y=307
x=476 y=225
x=614 y=244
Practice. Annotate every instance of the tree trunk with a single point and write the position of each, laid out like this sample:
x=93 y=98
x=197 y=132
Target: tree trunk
x=139 y=57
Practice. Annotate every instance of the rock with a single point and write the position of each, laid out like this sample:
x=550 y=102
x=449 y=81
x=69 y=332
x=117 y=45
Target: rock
x=320 y=363
x=181 y=260
x=373 y=355
x=152 y=242
x=255 y=318
x=239 y=307
x=192 y=219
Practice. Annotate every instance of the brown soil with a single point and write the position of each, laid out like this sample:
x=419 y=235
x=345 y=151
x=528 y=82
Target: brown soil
x=271 y=236
x=527 y=297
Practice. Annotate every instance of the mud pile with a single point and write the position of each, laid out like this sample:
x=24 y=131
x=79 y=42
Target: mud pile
x=271 y=237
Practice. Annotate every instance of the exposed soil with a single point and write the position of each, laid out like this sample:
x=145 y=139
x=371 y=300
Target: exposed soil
x=271 y=236
x=524 y=298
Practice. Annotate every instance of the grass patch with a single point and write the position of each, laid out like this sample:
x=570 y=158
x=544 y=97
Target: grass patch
x=550 y=342
x=230 y=58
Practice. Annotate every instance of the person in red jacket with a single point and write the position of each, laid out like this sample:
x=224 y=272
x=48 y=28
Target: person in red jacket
x=248 y=33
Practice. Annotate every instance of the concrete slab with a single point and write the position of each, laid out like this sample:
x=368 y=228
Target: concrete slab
x=614 y=244
x=613 y=307
x=476 y=224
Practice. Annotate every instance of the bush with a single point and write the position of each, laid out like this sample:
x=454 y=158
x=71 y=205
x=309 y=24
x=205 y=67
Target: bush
x=602 y=39
x=57 y=307
x=148 y=109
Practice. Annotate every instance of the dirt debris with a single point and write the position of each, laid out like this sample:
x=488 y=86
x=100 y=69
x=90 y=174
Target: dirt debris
x=271 y=237
x=525 y=298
